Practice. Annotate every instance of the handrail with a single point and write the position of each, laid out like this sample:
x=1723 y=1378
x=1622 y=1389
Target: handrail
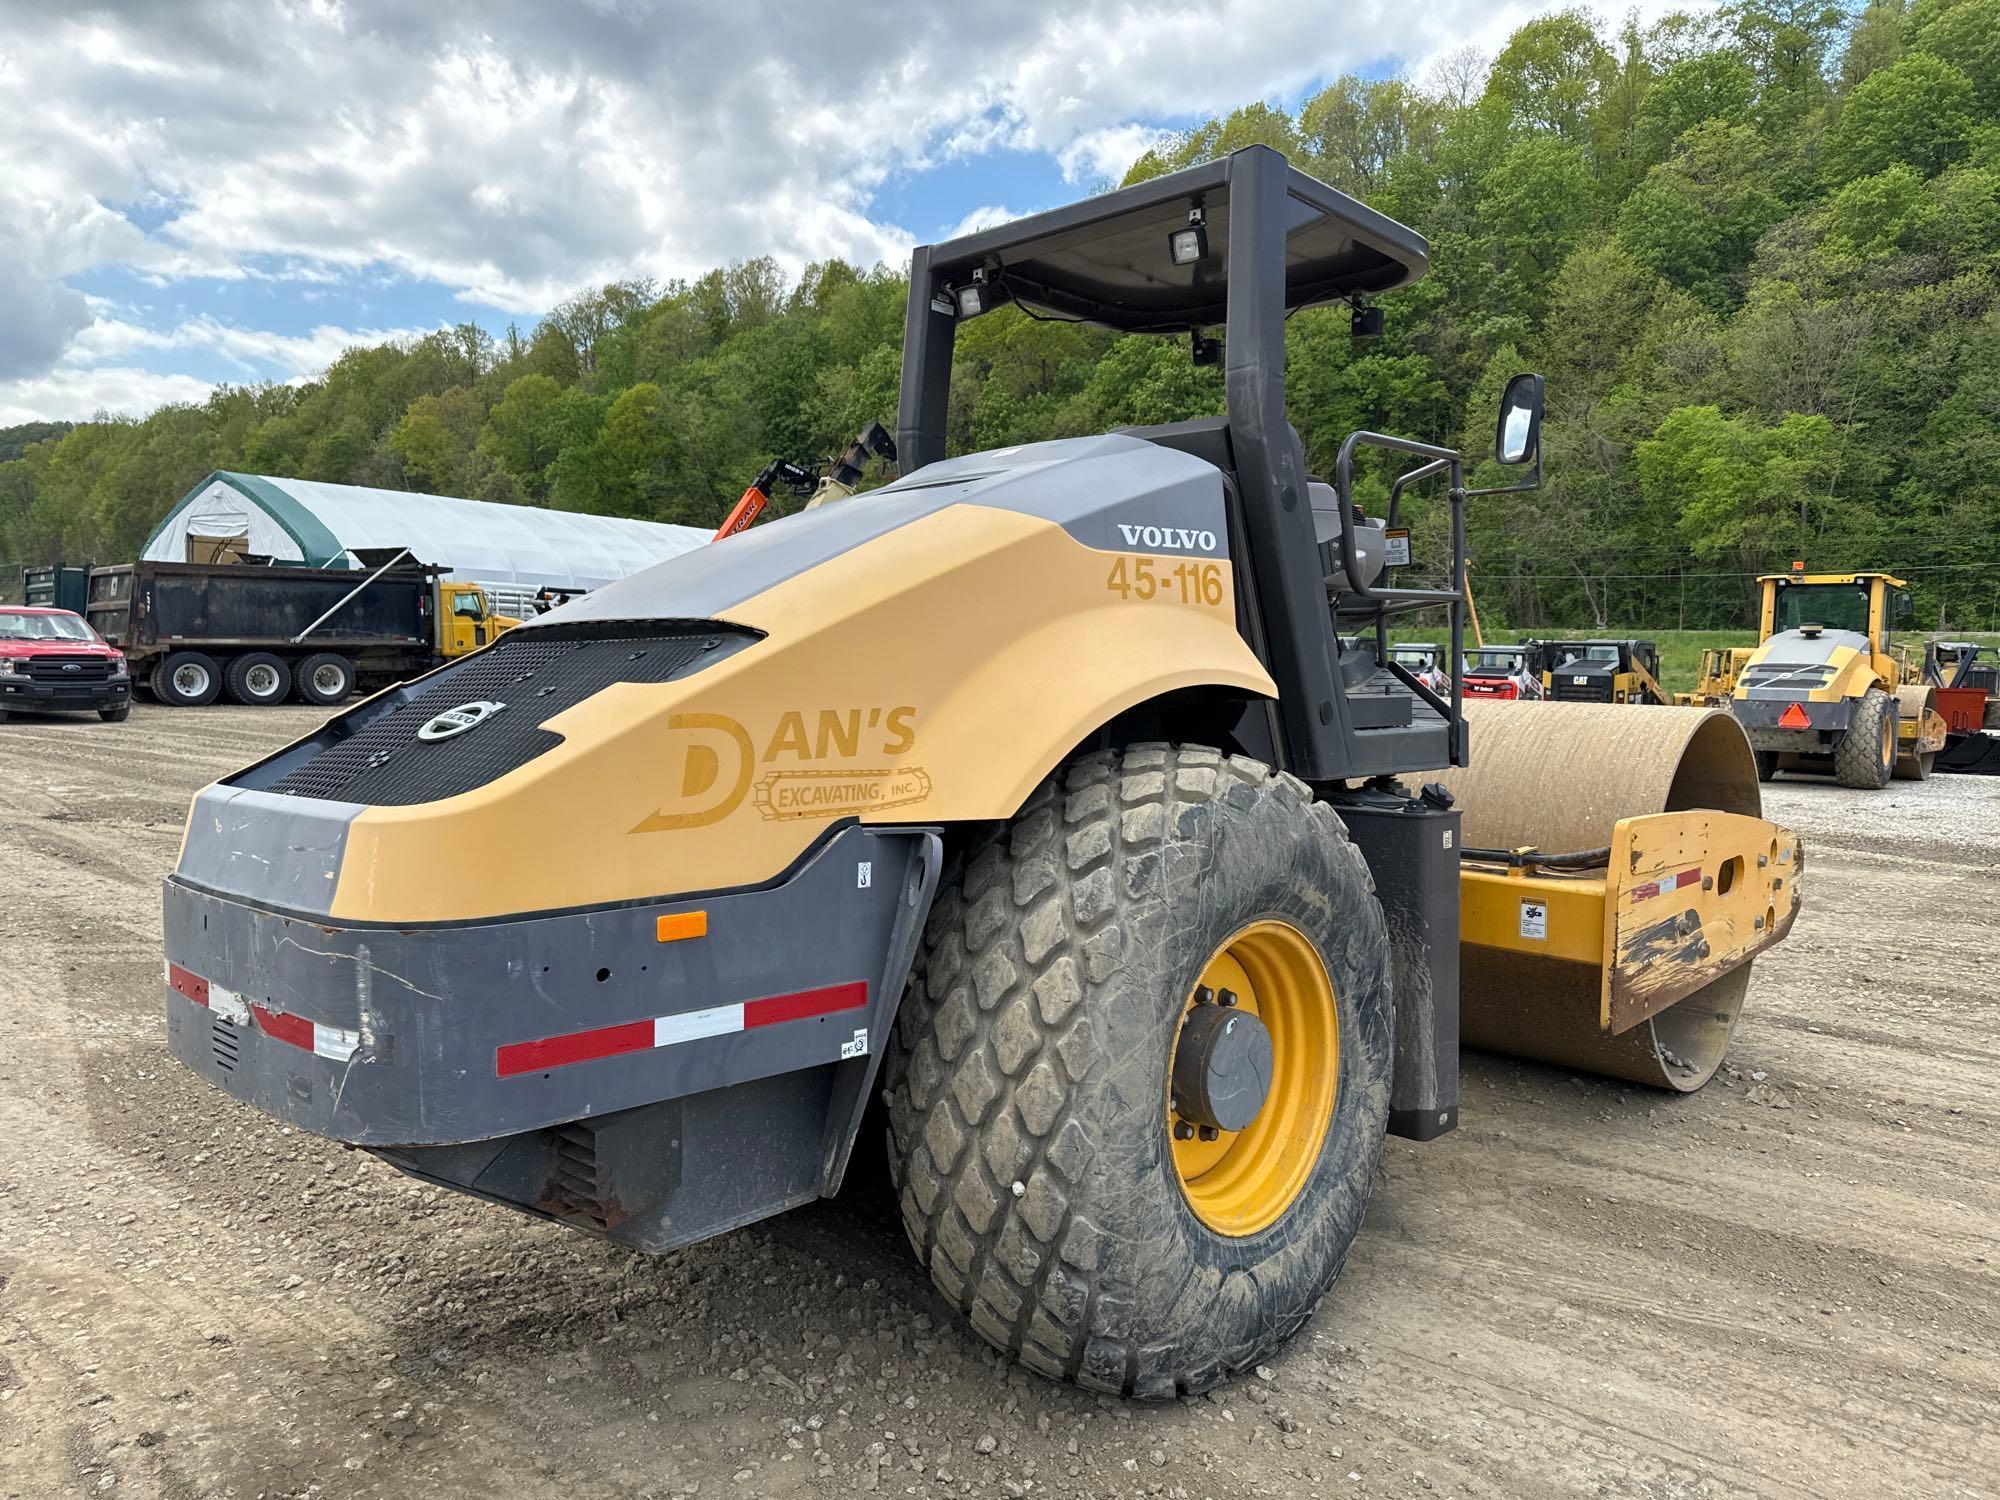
x=1343 y=488
x=1439 y=460
x=1414 y=476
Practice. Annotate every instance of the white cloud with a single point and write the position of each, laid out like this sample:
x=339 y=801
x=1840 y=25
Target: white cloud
x=1105 y=155
x=985 y=217
x=74 y=392
x=256 y=353
x=94 y=375
x=514 y=150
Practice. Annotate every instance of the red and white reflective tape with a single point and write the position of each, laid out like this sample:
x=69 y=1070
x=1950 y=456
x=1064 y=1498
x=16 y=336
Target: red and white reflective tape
x=667 y=1031
x=1668 y=883
x=333 y=1042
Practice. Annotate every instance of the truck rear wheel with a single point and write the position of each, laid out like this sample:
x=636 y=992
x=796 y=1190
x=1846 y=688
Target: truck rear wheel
x=1140 y=1079
x=325 y=678
x=257 y=678
x=1767 y=764
x=188 y=679
x=1866 y=753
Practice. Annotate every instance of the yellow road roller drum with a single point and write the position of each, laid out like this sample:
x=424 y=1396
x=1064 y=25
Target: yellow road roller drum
x=1615 y=888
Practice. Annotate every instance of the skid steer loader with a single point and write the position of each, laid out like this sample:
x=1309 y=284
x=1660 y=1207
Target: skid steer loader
x=1827 y=690
x=1602 y=671
x=1033 y=794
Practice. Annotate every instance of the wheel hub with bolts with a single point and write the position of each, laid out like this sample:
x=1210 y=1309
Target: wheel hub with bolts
x=1251 y=1083
x=1222 y=1067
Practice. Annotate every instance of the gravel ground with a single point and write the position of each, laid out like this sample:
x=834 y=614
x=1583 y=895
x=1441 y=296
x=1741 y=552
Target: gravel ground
x=1784 y=1286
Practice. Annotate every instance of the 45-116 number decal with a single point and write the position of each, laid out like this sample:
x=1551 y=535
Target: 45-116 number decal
x=1151 y=578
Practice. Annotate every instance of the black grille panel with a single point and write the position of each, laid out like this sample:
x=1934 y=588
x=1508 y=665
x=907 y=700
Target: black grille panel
x=1564 y=690
x=373 y=756
x=69 y=668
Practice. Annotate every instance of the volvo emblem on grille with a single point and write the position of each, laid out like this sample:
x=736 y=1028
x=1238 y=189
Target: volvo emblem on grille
x=457 y=720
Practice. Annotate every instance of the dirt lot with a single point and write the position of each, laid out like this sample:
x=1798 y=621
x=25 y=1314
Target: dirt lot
x=1788 y=1285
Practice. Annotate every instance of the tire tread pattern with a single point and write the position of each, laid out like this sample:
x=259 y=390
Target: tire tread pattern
x=1857 y=755
x=993 y=1034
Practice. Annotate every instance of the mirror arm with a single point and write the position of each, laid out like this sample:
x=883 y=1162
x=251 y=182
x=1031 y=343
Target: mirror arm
x=1532 y=482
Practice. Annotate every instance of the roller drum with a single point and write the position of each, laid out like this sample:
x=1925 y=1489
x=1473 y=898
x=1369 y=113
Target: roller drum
x=1557 y=777
x=1913 y=702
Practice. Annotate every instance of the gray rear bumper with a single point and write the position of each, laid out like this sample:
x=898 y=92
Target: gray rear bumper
x=1825 y=723
x=432 y=1036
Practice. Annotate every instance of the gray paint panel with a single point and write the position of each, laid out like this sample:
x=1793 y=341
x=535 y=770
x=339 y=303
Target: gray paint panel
x=1095 y=488
x=1793 y=648
x=282 y=850
x=433 y=1005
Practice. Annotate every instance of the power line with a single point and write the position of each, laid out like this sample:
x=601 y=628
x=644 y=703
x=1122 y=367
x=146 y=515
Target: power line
x=1596 y=575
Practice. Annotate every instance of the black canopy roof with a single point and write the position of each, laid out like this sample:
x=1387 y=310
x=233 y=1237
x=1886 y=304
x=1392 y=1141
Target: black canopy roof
x=1105 y=260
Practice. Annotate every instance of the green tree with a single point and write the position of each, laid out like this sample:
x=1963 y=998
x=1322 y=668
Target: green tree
x=1740 y=488
x=1551 y=74
x=1967 y=36
x=1918 y=111
x=437 y=436
x=1875 y=42
x=524 y=432
x=1708 y=86
x=1697 y=217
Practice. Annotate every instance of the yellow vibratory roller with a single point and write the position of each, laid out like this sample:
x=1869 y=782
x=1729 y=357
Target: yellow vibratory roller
x=1617 y=879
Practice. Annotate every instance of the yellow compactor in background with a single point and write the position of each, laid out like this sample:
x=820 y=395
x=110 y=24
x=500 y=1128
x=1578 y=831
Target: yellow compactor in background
x=1044 y=781
x=1715 y=683
x=1827 y=690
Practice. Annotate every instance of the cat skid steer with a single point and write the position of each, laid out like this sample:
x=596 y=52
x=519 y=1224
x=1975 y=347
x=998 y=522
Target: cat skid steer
x=1033 y=794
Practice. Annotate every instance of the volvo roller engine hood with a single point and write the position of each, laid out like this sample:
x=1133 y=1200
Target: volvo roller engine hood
x=1795 y=664
x=700 y=725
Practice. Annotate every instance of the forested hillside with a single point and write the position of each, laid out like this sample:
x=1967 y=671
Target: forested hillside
x=1756 y=254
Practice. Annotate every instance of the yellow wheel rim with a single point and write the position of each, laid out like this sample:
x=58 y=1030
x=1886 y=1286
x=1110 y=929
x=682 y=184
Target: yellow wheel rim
x=1243 y=1181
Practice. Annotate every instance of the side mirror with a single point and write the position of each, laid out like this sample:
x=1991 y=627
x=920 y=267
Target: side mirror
x=1517 y=439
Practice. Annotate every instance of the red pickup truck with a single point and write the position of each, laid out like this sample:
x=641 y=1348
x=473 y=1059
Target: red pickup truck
x=51 y=659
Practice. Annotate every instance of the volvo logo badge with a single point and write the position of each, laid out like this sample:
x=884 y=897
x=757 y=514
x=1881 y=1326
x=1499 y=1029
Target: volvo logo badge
x=457 y=720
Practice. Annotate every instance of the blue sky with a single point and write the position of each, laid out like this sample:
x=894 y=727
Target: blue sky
x=208 y=191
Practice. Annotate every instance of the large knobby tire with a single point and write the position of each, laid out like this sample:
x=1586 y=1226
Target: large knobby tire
x=258 y=679
x=324 y=678
x=1027 y=1081
x=1866 y=754
x=188 y=679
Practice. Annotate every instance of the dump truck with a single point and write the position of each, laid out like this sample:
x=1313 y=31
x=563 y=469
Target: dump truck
x=1033 y=797
x=193 y=632
x=1828 y=690
x=1601 y=671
